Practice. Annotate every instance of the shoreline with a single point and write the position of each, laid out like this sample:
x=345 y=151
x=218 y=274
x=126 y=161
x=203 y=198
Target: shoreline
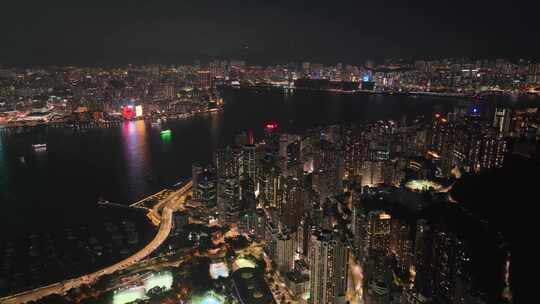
x=401 y=93
x=9 y=128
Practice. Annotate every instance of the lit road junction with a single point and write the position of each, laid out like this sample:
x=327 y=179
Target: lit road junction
x=161 y=215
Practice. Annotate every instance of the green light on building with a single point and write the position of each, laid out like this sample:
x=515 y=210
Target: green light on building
x=166 y=135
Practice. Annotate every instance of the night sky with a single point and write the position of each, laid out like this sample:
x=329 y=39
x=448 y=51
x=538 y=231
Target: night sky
x=264 y=32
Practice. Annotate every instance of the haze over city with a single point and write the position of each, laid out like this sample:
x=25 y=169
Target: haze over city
x=264 y=32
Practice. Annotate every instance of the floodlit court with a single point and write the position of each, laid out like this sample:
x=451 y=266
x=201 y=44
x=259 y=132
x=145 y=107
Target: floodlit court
x=422 y=185
x=162 y=279
x=129 y=295
x=244 y=263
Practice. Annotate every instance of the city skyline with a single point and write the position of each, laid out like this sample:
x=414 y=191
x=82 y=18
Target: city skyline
x=334 y=206
x=268 y=152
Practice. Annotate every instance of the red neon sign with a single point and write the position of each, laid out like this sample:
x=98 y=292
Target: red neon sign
x=128 y=112
x=271 y=125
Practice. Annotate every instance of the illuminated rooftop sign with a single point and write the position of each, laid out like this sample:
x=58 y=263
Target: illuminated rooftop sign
x=271 y=125
x=138 y=111
x=384 y=216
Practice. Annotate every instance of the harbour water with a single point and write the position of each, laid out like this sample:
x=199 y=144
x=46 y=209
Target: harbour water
x=61 y=185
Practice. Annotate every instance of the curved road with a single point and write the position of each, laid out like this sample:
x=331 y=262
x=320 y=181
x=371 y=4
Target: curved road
x=170 y=204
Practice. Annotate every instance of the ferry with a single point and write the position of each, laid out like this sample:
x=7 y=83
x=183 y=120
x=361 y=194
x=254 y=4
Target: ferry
x=178 y=184
x=102 y=201
x=39 y=147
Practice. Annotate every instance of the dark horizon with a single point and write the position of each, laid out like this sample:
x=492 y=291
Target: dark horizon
x=264 y=33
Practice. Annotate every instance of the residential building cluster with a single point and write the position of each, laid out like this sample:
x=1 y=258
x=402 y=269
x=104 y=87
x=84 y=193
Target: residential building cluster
x=60 y=94
x=318 y=201
x=72 y=94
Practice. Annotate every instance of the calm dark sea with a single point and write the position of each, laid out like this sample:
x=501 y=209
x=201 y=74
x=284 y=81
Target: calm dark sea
x=125 y=163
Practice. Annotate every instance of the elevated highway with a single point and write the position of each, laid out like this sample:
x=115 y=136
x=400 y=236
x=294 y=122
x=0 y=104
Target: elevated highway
x=163 y=211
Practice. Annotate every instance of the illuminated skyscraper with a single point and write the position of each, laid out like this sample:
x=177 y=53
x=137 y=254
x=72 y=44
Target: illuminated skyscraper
x=449 y=263
x=501 y=120
x=260 y=224
x=328 y=256
x=379 y=230
x=196 y=171
x=401 y=245
x=228 y=200
x=493 y=151
x=227 y=162
x=293 y=152
x=249 y=163
x=422 y=257
x=372 y=173
x=328 y=161
x=206 y=188
x=359 y=225
x=205 y=79
x=355 y=153
x=270 y=185
x=293 y=203
x=285 y=252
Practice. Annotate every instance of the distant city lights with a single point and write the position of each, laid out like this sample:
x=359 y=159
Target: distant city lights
x=138 y=111
x=271 y=126
x=385 y=216
x=128 y=112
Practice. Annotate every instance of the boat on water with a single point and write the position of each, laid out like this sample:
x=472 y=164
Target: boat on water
x=102 y=201
x=179 y=183
x=166 y=132
x=39 y=147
